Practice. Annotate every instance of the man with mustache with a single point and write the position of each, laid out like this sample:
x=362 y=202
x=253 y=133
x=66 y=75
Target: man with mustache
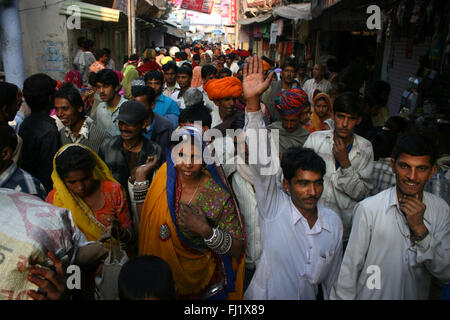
x=400 y=237
x=349 y=160
x=129 y=150
x=302 y=241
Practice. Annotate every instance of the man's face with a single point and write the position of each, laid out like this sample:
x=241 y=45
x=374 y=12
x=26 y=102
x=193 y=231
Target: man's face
x=222 y=60
x=144 y=101
x=321 y=108
x=130 y=132
x=290 y=123
x=184 y=80
x=156 y=85
x=80 y=182
x=345 y=123
x=288 y=74
x=209 y=77
x=68 y=114
x=301 y=72
x=107 y=92
x=412 y=173
x=305 y=188
x=226 y=107
x=170 y=76
x=317 y=72
x=196 y=62
x=228 y=61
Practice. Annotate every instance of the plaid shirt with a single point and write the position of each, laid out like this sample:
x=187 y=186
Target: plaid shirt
x=382 y=175
x=20 y=180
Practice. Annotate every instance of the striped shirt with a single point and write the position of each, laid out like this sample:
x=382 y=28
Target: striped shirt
x=19 y=180
x=90 y=135
x=382 y=176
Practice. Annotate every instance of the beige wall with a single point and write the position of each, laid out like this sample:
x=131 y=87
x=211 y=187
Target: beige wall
x=45 y=39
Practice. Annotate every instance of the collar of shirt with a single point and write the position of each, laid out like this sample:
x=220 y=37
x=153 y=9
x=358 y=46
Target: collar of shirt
x=355 y=150
x=320 y=223
x=393 y=202
x=7 y=174
x=84 y=131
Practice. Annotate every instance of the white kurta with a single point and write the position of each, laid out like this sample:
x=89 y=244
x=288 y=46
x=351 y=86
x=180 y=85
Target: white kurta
x=295 y=258
x=380 y=237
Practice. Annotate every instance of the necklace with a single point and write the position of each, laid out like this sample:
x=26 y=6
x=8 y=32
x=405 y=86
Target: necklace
x=131 y=147
x=198 y=185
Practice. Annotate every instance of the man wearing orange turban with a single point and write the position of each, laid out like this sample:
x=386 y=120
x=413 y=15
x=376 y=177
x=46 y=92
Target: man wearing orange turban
x=224 y=92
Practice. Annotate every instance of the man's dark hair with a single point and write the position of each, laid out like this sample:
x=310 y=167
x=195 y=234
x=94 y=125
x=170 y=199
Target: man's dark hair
x=108 y=77
x=98 y=53
x=208 y=70
x=196 y=57
x=227 y=72
x=185 y=70
x=87 y=44
x=171 y=65
x=417 y=145
x=8 y=94
x=37 y=90
x=196 y=113
x=71 y=94
x=187 y=65
x=348 y=102
x=148 y=92
x=231 y=56
x=133 y=57
x=301 y=158
x=73 y=159
x=289 y=63
x=107 y=51
x=92 y=79
x=80 y=41
x=146 y=277
x=178 y=55
x=8 y=137
x=154 y=75
x=383 y=142
x=183 y=55
x=398 y=125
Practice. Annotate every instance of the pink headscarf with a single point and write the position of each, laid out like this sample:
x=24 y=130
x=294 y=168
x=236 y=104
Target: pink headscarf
x=119 y=75
x=75 y=77
x=196 y=77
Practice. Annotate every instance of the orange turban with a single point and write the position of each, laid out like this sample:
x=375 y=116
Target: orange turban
x=227 y=87
x=266 y=66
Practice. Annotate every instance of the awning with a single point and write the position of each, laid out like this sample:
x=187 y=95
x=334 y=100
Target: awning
x=301 y=11
x=175 y=32
x=90 y=11
x=258 y=19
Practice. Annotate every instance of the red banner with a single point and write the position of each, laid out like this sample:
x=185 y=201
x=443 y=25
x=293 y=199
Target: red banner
x=204 y=6
x=233 y=12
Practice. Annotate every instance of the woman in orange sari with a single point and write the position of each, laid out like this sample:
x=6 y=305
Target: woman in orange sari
x=323 y=111
x=190 y=219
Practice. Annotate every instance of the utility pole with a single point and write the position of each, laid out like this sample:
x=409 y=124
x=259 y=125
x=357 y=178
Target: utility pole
x=11 y=44
x=131 y=27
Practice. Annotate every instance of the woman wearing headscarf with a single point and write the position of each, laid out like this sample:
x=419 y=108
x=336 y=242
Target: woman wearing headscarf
x=83 y=184
x=149 y=63
x=75 y=77
x=191 y=220
x=323 y=110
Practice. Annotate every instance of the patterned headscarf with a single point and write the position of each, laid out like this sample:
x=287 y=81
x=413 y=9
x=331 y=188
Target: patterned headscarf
x=292 y=101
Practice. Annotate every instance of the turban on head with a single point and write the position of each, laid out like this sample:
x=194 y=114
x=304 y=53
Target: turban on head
x=227 y=87
x=266 y=66
x=244 y=54
x=291 y=101
x=75 y=77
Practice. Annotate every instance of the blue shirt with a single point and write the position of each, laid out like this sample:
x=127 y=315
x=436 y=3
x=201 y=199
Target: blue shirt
x=17 y=179
x=167 y=108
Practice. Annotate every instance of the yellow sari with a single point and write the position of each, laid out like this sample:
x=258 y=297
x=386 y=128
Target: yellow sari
x=192 y=270
x=82 y=215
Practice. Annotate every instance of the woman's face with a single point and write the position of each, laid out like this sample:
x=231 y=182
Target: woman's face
x=80 y=182
x=321 y=108
x=68 y=114
x=188 y=160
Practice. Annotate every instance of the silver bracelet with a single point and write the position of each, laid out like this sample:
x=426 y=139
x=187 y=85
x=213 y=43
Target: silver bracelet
x=225 y=246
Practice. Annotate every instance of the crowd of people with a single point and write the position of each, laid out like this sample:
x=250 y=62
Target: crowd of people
x=125 y=154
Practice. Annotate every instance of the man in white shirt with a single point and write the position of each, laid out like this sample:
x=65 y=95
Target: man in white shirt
x=349 y=160
x=184 y=78
x=170 y=79
x=231 y=63
x=318 y=82
x=400 y=237
x=302 y=242
x=209 y=72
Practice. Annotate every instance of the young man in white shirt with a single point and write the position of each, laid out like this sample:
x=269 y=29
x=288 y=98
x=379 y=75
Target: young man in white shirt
x=400 y=237
x=302 y=242
x=184 y=78
x=349 y=159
